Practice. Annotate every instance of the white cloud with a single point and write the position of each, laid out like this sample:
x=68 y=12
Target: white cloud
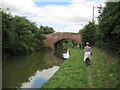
x=71 y=28
x=74 y=28
x=78 y=12
x=51 y=0
x=74 y=13
x=20 y=7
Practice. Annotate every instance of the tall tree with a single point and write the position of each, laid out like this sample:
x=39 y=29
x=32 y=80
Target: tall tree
x=19 y=35
x=88 y=33
x=109 y=26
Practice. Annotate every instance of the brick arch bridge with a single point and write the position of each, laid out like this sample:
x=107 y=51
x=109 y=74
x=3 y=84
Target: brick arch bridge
x=53 y=38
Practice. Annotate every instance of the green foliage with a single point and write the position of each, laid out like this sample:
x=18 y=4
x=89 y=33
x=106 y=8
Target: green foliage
x=66 y=44
x=46 y=29
x=19 y=35
x=109 y=27
x=88 y=33
x=107 y=33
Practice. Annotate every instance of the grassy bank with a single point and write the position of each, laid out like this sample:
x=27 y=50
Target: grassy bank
x=74 y=74
x=104 y=70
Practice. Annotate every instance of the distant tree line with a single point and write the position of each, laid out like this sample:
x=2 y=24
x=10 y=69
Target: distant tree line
x=107 y=33
x=20 y=35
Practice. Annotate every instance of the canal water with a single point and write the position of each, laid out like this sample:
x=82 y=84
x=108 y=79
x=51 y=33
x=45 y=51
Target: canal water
x=30 y=71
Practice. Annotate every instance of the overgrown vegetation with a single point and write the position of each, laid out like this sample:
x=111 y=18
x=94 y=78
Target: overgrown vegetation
x=107 y=33
x=19 y=35
x=104 y=70
x=73 y=73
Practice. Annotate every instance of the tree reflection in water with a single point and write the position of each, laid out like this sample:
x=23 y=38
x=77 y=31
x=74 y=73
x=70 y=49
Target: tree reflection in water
x=18 y=70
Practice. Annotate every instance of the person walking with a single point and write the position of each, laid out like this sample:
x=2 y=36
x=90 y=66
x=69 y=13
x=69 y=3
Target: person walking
x=87 y=53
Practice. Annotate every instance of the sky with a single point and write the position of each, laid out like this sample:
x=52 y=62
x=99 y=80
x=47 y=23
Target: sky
x=61 y=15
x=40 y=77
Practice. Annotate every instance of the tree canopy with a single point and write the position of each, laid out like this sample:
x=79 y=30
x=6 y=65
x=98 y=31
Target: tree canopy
x=20 y=35
x=46 y=29
x=88 y=33
x=107 y=33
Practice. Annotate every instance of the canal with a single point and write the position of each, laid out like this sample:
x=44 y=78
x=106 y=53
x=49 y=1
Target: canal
x=30 y=71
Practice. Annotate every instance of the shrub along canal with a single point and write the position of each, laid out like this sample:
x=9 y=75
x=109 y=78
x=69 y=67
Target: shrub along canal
x=30 y=71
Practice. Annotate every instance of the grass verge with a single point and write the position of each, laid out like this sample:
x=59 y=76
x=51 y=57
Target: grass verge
x=102 y=73
x=104 y=70
x=72 y=73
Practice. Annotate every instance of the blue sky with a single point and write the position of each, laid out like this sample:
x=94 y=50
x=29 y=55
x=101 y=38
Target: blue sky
x=62 y=15
x=41 y=4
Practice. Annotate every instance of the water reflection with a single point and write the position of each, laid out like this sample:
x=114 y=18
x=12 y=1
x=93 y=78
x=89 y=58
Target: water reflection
x=40 y=77
x=59 y=52
x=26 y=70
x=52 y=59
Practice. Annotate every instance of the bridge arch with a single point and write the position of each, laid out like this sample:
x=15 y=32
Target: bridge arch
x=55 y=44
x=53 y=38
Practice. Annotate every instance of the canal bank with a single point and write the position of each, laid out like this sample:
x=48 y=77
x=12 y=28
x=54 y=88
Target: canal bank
x=73 y=73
